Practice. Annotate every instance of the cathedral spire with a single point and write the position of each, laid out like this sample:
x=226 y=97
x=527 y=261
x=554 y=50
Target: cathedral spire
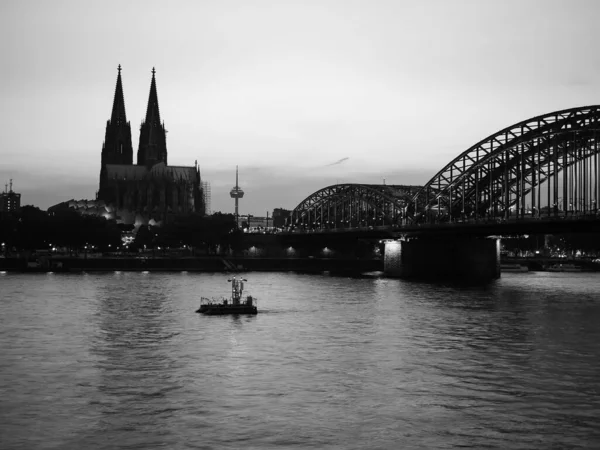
x=153 y=143
x=152 y=111
x=117 y=148
x=118 y=115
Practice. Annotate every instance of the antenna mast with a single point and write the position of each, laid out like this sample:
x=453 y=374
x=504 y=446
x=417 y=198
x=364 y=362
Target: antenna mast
x=236 y=193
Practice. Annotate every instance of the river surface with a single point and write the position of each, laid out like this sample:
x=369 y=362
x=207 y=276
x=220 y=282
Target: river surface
x=121 y=361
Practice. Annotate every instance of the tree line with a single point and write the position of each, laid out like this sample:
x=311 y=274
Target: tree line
x=33 y=229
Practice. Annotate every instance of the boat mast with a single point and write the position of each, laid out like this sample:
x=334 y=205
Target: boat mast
x=237 y=287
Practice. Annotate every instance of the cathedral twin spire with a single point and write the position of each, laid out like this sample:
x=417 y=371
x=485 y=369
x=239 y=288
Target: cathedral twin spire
x=118 y=111
x=117 y=140
x=152 y=112
x=117 y=148
x=153 y=141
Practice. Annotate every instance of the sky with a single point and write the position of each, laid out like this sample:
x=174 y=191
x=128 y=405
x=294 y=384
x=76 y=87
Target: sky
x=299 y=94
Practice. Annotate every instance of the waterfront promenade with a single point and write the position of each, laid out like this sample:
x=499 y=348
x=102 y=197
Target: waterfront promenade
x=228 y=263
x=213 y=263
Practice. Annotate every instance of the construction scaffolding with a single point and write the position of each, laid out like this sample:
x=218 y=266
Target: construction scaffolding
x=206 y=195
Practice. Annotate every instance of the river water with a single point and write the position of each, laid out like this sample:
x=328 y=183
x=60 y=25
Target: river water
x=121 y=361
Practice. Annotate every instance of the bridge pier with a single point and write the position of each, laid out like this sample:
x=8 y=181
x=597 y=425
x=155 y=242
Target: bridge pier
x=465 y=259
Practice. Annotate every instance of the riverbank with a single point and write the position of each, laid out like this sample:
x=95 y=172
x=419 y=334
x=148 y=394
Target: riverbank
x=199 y=264
x=538 y=264
x=241 y=263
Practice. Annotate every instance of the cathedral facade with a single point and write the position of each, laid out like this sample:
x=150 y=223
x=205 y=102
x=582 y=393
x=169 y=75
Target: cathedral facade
x=149 y=191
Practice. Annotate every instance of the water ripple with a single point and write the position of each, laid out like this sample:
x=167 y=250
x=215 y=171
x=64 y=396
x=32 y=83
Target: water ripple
x=122 y=361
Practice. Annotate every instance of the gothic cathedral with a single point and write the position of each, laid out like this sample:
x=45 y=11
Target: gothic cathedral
x=150 y=191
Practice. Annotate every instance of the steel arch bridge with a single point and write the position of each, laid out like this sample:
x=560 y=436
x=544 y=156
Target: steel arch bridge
x=546 y=166
x=354 y=205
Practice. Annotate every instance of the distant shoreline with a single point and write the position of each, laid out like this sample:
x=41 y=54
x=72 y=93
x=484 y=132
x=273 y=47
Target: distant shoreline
x=190 y=264
x=220 y=263
x=539 y=264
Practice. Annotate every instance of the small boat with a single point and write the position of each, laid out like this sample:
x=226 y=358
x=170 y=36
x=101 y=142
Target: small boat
x=564 y=268
x=513 y=268
x=237 y=304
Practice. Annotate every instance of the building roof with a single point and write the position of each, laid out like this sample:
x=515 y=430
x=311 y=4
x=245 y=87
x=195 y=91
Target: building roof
x=158 y=171
x=175 y=173
x=86 y=207
x=125 y=172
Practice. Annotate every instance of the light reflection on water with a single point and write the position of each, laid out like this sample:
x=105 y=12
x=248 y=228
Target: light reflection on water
x=120 y=360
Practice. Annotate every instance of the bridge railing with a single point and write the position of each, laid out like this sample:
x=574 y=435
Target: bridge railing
x=466 y=221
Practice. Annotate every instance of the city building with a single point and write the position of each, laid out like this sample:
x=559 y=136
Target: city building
x=262 y=224
x=150 y=191
x=85 y=208
x=280 y=217
x=10 y=201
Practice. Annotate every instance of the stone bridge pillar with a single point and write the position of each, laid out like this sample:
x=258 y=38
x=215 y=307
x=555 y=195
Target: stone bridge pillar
x=465 y=259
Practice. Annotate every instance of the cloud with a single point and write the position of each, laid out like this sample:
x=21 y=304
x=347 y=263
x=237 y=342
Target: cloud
x=337 y=162
x=578 y=81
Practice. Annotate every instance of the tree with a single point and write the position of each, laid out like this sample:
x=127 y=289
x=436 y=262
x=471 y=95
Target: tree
x=144 y=238
x=8 y=231
x=32 y=228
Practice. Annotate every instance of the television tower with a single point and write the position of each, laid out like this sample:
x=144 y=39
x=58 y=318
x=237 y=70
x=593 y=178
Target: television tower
x=236 y=193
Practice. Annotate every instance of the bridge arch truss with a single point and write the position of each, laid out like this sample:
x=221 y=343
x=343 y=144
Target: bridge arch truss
x=354 y=205
x=544 y=166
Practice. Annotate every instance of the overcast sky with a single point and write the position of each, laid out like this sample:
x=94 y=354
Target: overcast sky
x=299 y=94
